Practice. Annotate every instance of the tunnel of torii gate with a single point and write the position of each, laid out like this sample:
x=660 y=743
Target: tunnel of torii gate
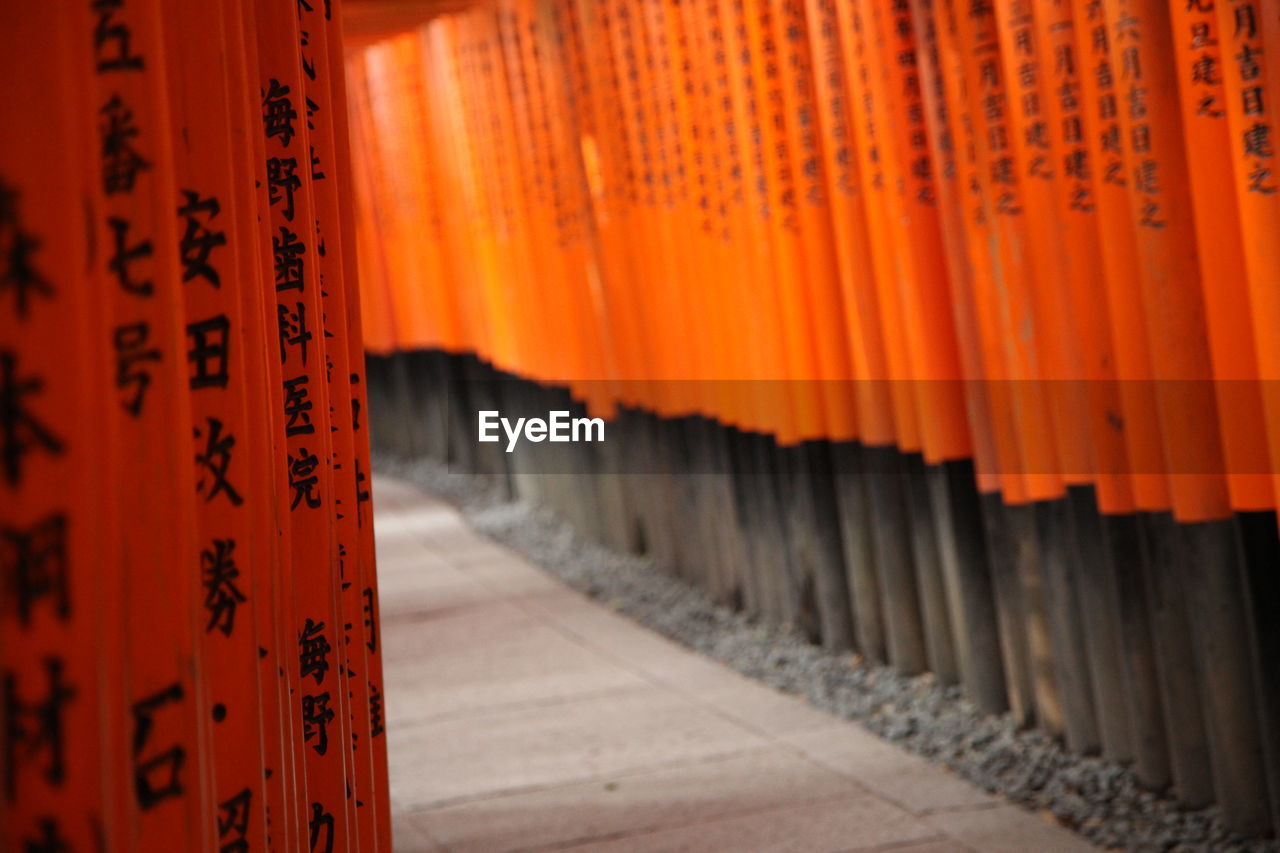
x=943 y=332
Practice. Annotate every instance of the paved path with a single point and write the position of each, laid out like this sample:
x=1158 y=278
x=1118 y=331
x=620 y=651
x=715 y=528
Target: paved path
x=524 y=716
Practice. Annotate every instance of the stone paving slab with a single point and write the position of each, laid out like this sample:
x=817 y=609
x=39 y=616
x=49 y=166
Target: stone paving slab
x=524 y=716
x=681 y=795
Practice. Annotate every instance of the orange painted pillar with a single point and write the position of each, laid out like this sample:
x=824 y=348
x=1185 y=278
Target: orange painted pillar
x=1034 y=242
x=1249 y=36
x=859 y=305
x=57 y=382
x=943 y=131
x=1168 y=258
x=1092 y=376
x=283 y=776
x=912 y=195
x=773 y=401
x=369 y=707
x=871 y=134
x=317 y=26
x=158 y=714
x=314 y=650
x=233 y=546
x=1198 y=53
x=819 y=287
x=781 y=212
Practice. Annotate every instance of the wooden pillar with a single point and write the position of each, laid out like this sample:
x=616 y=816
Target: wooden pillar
x=1009 y=609
x=1150 y=741
x=900 y=598
x=778 y=578
x=1175 y=662
x=1059 y=573
x=859 y=549
x=1260 y=547
x=966 y=569
x=730 y=542
x=1213 y=575
x=935 y=615
x=429 y=404
x=825 y=552
x=755 y=597
x=1099 y=611
x=402 y=438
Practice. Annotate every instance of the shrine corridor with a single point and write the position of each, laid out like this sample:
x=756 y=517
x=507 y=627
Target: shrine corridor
x=531 y=718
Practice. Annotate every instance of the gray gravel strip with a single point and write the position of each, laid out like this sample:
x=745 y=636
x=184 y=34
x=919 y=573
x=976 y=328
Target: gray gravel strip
x=1100 y=799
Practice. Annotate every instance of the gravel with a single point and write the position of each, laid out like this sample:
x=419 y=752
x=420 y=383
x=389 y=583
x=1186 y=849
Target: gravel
x=1100 y=799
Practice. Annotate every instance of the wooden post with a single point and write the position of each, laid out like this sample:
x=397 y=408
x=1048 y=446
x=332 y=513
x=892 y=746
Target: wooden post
x=1059 y=572
x=939 y=643
x=1099 y=612
x=528 y=481
x=795 y=504
x=379 y=416
x=859 y=549
x=966 y=569
x=462 y=425
x=892 y=536
x=662 y=547
x=1260 y=548
x=486 y=459
x=429 y=404
x=610 y=478
x=774 y=550
x=730 y=542
x=1009 y=610
x=1175 y=662
x=755 y=600
x=688 y=523
x=1150 y=741
x=1025 y=549
x=1219 y=622
x=402 y=405
x=835 y=611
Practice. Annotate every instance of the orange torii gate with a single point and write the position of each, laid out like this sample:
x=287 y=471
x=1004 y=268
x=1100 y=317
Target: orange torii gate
x=1018 y=252
x=190 y=656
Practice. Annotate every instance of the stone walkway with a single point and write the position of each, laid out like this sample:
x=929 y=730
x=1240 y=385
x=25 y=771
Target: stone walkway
x=524 y=716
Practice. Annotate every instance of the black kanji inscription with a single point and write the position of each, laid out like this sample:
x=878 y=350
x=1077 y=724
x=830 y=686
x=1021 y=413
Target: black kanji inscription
x=282 y=183
x=208 y=341
x=17 y=254
x=321 y=826
x=313 y=651
x=376 y=725
x=126 y=255
x=111 y=39
x=33 y=728
x=369 y=606
x=49 y=839
x=316 y=716
x=293 y=331
x=278 y=113
x=288 y=251
x=157 y=776
x=233 y=823
x=199 y=240
x=213 y=461
x=298 y=407
x=303 y=479
x=132 y=355
x=34 y=567
x=121 y=163
x=20 y=431
x=362 y=493
x=218 y=573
